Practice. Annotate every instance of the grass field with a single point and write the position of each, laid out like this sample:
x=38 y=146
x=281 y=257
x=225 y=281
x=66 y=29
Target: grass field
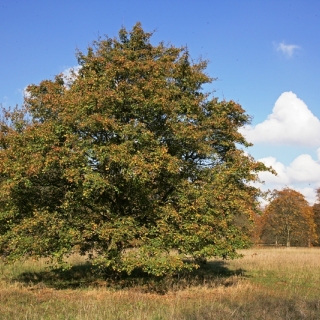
x=267 y=283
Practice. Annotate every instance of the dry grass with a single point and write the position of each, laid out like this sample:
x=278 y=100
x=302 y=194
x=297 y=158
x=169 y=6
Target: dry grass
x=293 y=271
x=265 y=284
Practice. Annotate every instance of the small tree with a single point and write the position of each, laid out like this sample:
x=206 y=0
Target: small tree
x=128 y=159
x=288 y=219
x=316 y=212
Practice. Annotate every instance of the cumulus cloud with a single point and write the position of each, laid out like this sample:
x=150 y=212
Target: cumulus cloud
x=291 y=123
x=309 y=194
x=287 y=49
x=25 y=92
x=301 y=169
x=302 y=174
x=304 y=169
x=281 y=178
x=70 y=74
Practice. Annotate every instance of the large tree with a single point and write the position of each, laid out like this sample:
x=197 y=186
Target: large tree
x=128 y=159
x=288 y=219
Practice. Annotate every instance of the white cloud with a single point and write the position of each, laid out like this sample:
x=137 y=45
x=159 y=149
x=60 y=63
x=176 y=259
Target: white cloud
x=301 y=169
x=291 y=123
x=287 y=49
x=302 y=174
x=281 y=178
x=308 y=192
x=70 y=74
x=25 y=92
x=304 y=169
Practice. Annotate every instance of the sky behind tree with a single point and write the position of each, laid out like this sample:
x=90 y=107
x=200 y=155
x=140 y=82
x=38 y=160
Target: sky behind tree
x=264 y=54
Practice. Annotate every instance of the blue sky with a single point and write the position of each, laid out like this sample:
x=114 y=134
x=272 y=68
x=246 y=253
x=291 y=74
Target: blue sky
x=265 y=54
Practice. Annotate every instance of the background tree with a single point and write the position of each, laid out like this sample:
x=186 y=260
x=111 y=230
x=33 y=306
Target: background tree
x=316 y=212
x=128 y=159
x=257 y=227
x=288 y=219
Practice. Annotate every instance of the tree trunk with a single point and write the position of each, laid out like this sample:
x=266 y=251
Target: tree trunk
x=288 y=238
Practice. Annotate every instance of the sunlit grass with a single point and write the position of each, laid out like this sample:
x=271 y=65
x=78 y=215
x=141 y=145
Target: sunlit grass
x=293 y=271
x=265 y=284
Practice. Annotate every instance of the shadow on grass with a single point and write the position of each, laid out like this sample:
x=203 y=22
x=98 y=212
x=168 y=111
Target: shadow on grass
x=211 y=274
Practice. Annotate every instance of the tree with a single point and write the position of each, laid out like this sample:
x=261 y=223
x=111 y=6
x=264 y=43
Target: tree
x=129 y=160
x=257 y=228
x=288 y=219
x=316 y=212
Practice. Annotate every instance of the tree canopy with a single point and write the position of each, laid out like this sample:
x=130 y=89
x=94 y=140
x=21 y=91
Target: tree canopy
x=288 y=219
x=129 y=160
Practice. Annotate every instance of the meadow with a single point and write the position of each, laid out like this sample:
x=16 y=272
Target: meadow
x=267 y=283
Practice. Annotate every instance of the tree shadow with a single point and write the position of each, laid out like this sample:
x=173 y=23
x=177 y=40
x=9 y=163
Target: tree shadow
x=80 y=275
x=212 y=274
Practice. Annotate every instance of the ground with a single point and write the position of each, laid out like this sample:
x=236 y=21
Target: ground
x=267 y=283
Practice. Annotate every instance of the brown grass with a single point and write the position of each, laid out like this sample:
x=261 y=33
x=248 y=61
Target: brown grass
x=265 y=284
x=293 y=271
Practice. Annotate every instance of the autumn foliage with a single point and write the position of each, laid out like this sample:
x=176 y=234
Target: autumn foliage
x=288 y=220
x=316 y=212
x=128 y=160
